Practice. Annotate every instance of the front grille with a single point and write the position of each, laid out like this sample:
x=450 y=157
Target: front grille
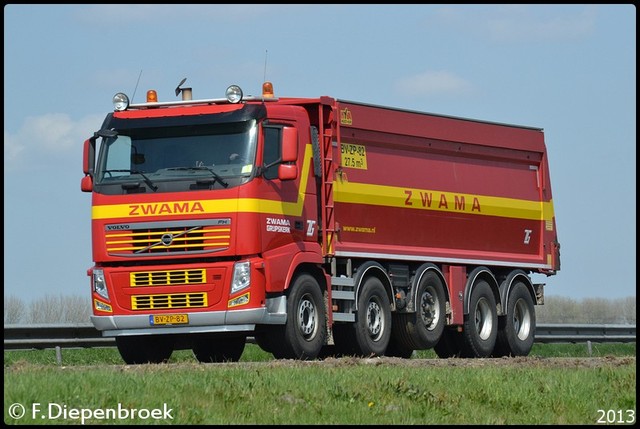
x=165 y=301
x=167 y=278
x=176 y=237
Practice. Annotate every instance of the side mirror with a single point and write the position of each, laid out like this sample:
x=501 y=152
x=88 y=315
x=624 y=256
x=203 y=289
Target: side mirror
x=287 y=172
x=88 y=156
x=89 y=150
x=289 y=144
x=86 y=184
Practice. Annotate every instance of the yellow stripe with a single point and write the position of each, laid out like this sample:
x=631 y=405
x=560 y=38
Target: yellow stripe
x=547 y=210
x=418 y=199
x=247 y=205
x=356 y=193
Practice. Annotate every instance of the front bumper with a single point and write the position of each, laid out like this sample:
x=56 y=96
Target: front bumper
x=274 y=313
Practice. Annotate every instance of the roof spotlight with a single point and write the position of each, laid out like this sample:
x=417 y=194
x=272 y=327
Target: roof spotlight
x=234 y=94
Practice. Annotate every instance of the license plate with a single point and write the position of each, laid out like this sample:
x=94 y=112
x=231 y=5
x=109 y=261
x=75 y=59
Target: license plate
x=169 y=319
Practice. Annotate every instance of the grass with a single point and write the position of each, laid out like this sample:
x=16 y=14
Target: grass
x=340 y=391
x=253 y=353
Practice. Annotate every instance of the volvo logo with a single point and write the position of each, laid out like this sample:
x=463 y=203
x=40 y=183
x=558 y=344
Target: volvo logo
x=167 y=239
x=122 y=226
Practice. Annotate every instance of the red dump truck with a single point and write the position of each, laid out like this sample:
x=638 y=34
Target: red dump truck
x=315 y=226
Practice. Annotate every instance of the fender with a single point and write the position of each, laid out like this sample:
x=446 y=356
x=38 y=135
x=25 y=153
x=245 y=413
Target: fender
x=368 y=268
x=417 y=278
x=506 y=285
x=307 y=257
x=281 y=263
x=479 y=272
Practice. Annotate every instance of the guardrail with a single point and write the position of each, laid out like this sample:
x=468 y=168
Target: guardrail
x=562 y=333
x=47 y=336
x=85 y=335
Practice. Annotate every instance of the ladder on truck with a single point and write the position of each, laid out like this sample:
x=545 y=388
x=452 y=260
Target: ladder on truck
x=329 y=132
x=342 y=288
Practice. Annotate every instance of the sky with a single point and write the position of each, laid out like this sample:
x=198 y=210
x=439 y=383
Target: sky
x=569 y=69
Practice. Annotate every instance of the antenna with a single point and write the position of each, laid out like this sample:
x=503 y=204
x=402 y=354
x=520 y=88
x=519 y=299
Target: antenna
x=265 y=65
x=136 y=88
x=264 y=78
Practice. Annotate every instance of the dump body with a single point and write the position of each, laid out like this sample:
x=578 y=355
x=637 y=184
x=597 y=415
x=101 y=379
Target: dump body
x=421 y=186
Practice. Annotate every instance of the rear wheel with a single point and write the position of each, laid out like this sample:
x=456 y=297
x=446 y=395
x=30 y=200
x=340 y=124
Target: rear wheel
x=450 y=344
x=219 y=349
x=372 y=328
x=344 y=339
x=481 y=326
x=517 y=335
x=422 y=330
x=139 y=349
x=398 y=349
x=305 y=331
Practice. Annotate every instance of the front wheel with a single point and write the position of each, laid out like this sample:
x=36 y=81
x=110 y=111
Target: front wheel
x=262 y=335
x=139 y=349
x=305 y=330
x=219 y=349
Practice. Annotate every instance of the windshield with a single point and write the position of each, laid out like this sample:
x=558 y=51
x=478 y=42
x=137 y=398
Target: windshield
x=174 y=158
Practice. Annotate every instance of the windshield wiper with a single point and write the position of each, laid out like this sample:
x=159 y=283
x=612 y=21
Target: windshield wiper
x=146 y=179
x=215 y=175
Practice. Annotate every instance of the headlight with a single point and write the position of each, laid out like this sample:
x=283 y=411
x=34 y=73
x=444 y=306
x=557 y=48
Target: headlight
x=120 y=102
x=99 y=285
x=241 y=276
x=234 y=94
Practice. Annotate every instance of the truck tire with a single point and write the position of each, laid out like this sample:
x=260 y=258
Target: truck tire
x=422 y=330
x=262 y=335
x=372 y=328
x=481 y=325
x=139 y=349
x=517 y=335
x=398 y=349
x=221 y=349
x=304 y=333
x=344 y=338
x=450 y=344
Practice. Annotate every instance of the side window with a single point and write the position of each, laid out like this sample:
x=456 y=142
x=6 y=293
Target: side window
x=272 y=150
x=118 y=162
